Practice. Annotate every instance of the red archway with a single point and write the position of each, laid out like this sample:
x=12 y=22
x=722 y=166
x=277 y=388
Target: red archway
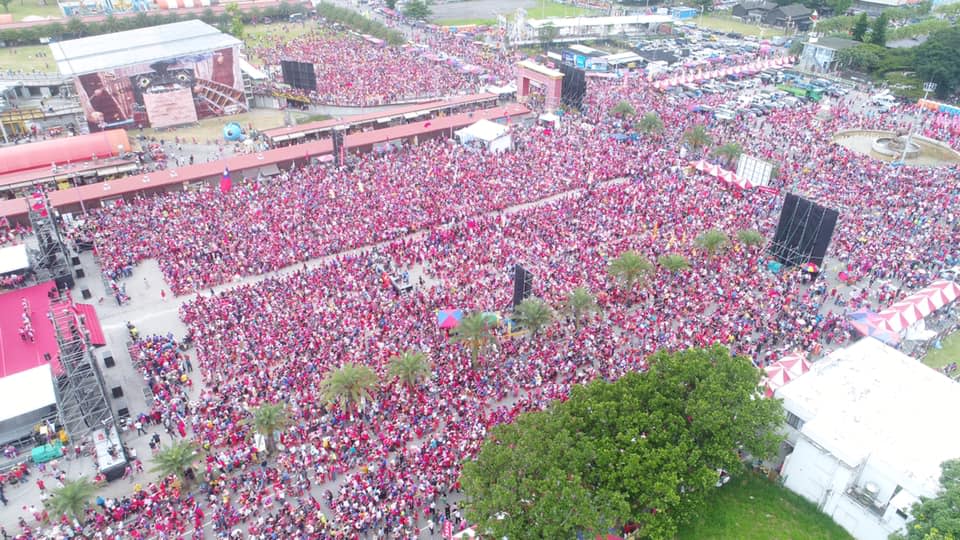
x=551 y=79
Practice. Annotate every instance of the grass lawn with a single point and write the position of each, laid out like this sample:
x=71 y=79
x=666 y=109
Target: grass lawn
x=728 y=24
x=25 y=58
x=752 y=508
x=543 y=10
x=937 y=358
x=24 y=8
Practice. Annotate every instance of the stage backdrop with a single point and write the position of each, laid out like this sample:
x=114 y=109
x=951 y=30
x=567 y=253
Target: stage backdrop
x=164 y=93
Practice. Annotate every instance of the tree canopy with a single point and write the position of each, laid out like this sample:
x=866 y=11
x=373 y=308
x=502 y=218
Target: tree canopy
x=939 y=518
x=860 y=27
x=417 y=9
x=644 y=449
x=937 y=60
x=878 y=32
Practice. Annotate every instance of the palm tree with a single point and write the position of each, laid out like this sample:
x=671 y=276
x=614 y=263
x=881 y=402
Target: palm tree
x=474 y=330
x=534 y=314
x=712 y=241
x=410 y=367
x=72 y=498
x=674 y=262
x=697 y=138
x=750 y=237
x=650 y=123
x=729 y=152
x=579 y=303
x=177 y=460
x=630 y=268
x=623 y=109
x=266 y=420
x=352 y=384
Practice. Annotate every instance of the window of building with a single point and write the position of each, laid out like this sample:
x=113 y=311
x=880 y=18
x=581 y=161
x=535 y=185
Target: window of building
x=794 y=421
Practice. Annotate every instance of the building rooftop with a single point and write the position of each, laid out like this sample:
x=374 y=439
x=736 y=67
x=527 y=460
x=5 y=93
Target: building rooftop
x=141 y=46
x=870 y=401
x=835 y=43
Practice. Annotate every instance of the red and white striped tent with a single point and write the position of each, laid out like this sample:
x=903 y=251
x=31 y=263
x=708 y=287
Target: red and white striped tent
x=776 y=377
x=795 y=363
x=915 y=307
x=724 y=175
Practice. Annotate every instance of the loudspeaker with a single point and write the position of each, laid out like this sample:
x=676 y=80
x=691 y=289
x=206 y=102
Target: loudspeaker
x=804 y=231
x=65 y=281
x=117 y=392
x=123 y=412
x=522 y=284
x=299 y=74
x=108 y=361
x=79 y=272
x=85 y=293
x=75 y=260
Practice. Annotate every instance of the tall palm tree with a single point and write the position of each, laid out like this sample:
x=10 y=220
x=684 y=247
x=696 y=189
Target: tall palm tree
x=729 y=152
x=410 y=367
x=750 y=237
x=579 y=304
x=650 y=123
x=712 y=241
x=623 y=109
x=697 y=138
x=534 y=314
x=673 y=262
x=474 y=330
x=266 y=420
x=177 y=460
x=72 y=498
x=351 y=385
x=630 y=268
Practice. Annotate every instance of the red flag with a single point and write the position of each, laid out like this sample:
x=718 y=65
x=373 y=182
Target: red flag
x=225 y=182
x=426 y=124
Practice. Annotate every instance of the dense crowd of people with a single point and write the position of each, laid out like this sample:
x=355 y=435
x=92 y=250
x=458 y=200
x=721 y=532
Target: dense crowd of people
x=563 y=203
x=353 y=70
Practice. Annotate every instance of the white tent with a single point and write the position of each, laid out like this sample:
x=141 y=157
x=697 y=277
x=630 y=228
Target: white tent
x=496 y=137
x=14 y=259
x=26 y=392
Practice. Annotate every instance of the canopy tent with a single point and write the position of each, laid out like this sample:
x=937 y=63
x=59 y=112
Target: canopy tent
x=915 y=307
x=781 y=372
x=496 y=137
x=728 y=177
x=14 y=259
x=449 y=318
x=795 y=363
x=869 y=324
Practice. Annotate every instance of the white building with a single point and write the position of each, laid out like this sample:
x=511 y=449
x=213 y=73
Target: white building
x=869 y=431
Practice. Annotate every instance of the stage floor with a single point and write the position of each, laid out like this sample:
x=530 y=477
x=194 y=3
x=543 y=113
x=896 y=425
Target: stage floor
x=17 y=354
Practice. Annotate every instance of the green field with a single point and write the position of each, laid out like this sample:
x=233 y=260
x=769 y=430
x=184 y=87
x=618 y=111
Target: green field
x=937 y=358
x=543 y=10
x=26 y=59
x=728 y=24
x=24 y=8
x=752 y=508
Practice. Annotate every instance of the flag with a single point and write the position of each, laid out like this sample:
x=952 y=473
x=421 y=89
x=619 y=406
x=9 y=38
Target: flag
x=426 y=124
x=225 y=182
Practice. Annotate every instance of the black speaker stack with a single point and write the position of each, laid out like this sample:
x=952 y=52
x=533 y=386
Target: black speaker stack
x=803 y=232
x=522 y=284
x=299 y=74
x=339 y=148
x=574 y=86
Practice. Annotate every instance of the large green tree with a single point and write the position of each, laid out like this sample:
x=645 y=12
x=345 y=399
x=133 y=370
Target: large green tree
x=623 y=109
x=878 y=32
x=650 y=123
x=72 y=498
x=409 y=367
x=697 y=138
x=417 y=9
x=712 y=241
x=474 y=331
x=266 y=420
x=177 y=460
x=750 y=237
x=630 y=268
x=350 y=386
x=938 y=518
x=579 y=304
x=645 y=448
x=860 y=27
x=729 y=151
x=937 y=60
x=534 y=314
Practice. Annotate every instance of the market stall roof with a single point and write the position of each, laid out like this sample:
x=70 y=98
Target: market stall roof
x=918 y=305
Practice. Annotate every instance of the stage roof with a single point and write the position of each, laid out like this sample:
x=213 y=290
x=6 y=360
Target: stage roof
x=141 y=46
x=16 y=354
x=14 y=259
x=26 y=391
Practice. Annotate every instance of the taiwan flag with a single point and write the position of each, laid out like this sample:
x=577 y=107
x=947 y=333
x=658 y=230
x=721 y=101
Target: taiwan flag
x=225 y=182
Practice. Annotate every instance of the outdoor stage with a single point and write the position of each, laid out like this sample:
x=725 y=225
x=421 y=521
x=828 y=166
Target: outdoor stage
x=18 y=355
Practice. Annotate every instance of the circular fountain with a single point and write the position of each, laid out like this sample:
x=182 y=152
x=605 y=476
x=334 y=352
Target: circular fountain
x=895 y=146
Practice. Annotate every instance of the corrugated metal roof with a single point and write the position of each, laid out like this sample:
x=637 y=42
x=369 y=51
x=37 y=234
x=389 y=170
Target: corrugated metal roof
x=141 y=46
